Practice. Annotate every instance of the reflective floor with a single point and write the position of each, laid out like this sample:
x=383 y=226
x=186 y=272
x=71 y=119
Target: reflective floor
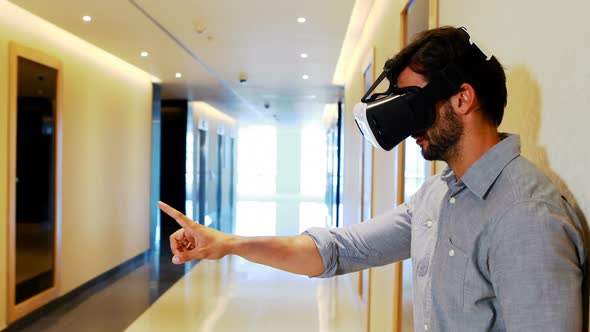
x=228 y=295
x=109 y=305
x=236 y=295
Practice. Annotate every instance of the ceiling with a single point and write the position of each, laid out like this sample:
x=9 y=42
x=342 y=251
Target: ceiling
x=212 y=42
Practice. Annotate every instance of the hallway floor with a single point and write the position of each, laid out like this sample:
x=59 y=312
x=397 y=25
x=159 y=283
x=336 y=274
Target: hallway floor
x=236 y=295
x=228 y=295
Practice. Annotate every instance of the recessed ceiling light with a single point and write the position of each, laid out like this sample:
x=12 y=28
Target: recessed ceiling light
x=305 y=77
x=178 y=75
x=304 y=55
x=144 y=54
x=301 y=20
x=86 y=18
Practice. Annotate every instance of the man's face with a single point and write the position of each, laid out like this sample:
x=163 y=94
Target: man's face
x=440 y=141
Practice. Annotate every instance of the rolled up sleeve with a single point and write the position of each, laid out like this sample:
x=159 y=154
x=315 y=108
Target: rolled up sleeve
x=382 y=240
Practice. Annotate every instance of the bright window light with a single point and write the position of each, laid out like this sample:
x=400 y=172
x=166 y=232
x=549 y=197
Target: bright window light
x=257 y=160
x=256 y=218
x=312 y=214
x=313 y=161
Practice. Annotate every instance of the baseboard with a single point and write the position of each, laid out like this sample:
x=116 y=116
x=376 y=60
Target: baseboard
x=83 y=291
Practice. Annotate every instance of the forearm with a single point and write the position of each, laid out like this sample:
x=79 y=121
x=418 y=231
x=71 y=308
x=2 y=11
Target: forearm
x=296 y=254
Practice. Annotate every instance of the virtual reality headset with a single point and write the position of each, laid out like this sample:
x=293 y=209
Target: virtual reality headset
x=388 y=118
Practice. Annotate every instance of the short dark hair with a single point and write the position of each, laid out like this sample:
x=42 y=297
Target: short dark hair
x=431 y=50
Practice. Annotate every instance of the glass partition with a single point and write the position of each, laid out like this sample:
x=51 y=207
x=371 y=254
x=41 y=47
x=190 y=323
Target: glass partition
x=202 y=177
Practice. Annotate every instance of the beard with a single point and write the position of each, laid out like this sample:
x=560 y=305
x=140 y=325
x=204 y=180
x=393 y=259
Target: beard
x=443 y=137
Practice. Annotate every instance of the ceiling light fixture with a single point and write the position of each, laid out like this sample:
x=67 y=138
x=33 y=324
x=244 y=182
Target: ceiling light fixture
x=144 y=54
x=304 y=55
x=178 y=75
x=301 y=20
x=305 y=77
x=243 y=78
x=86 y=18
x=200 y=27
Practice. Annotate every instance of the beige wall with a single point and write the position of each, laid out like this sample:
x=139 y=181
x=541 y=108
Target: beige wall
x=3 y=174
x=106 y=151
x=542 y=45
x=381 y=30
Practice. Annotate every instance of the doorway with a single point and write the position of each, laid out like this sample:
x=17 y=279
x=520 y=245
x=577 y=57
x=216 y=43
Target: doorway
x=413 y=169
x=34 y=180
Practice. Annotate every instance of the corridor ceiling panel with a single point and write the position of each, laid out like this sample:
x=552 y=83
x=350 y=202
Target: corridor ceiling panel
x=212 y=42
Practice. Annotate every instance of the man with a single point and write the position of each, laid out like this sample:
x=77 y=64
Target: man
x=494 y=245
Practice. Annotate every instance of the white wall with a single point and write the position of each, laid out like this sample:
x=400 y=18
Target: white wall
x=543 y=46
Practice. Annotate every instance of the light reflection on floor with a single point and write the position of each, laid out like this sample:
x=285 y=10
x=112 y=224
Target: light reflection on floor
x=236 y=295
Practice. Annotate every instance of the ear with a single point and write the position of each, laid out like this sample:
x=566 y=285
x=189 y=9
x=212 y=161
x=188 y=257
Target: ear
x=465 y=99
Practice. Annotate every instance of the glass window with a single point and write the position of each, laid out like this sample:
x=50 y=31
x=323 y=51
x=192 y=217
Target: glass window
x=312 y=215
x=256 y=218
x=313 y=161
x=257 y=154
x=415 y=172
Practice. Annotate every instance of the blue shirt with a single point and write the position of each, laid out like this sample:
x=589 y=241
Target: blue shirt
x=499 y=250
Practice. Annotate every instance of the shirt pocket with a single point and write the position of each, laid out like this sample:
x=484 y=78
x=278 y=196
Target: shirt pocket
x=452 y=276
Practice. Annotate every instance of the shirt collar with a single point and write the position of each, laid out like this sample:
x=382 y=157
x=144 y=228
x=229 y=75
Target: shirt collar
x=482 y=174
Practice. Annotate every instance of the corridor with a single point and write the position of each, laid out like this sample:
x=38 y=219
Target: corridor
x=236 y=295
x=247 y=121
x=227 y=295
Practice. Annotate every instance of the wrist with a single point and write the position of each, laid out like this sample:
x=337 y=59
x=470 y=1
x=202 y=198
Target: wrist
x=233 y=244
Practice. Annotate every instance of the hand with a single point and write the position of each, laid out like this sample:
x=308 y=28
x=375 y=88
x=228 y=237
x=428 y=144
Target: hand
x=195 y=241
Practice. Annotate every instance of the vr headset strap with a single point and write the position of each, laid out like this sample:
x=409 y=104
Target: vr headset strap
x=386 y=69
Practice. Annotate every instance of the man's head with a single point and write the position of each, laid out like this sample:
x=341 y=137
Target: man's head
x=483 y=90
x=441 y=70
x=432 y=50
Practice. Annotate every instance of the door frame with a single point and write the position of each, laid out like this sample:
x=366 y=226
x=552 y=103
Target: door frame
x=401 y=156
x=365 y=277
x=16 y=311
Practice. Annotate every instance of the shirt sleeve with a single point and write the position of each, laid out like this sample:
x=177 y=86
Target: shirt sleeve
x=382 y=240
x=536 y=264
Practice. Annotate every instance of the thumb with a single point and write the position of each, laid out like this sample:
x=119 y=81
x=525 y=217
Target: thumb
x=186 y=256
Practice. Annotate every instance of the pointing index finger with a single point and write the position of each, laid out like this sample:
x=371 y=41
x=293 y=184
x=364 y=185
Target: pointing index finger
x=180 y=218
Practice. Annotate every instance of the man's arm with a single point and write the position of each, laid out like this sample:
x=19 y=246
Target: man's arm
x=296 y=254
x=382 y=240
x=535 y=261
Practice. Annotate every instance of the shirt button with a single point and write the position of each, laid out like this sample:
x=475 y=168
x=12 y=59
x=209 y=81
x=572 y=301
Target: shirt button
x=429 y=223
x=452 y=200
x=452 y=253
x=425 y=327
